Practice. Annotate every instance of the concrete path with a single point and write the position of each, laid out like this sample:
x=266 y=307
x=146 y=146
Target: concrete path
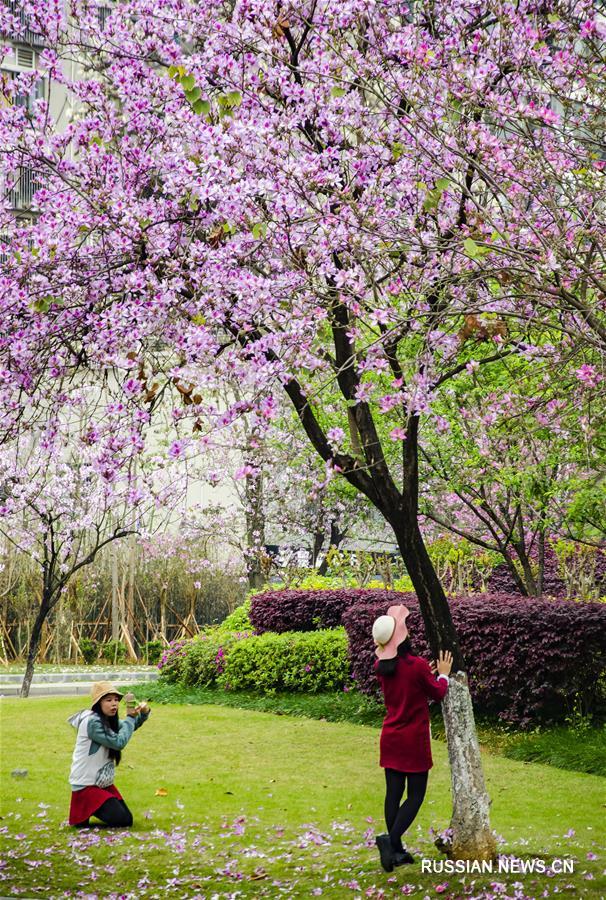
x=74 y=681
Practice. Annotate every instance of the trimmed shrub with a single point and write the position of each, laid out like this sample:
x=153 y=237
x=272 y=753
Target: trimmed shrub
x=200 y=660
x=239 y=619
x=171 y=661
x=295 y=662
x=152 y=651
x=89 y=650
x=113 y=651
x=308 y=610
x=528 y=660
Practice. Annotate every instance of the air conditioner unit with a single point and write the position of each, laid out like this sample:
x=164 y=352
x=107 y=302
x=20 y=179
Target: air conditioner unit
x=25 y=58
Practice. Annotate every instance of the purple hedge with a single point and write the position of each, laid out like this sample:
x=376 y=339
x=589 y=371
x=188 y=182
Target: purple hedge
x=528 y=660
x=307 y=610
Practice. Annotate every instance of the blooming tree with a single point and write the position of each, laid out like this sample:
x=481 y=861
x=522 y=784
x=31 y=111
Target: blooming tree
x=503 y=460
x=348 y=202
x=65 y=493
x=279 y=493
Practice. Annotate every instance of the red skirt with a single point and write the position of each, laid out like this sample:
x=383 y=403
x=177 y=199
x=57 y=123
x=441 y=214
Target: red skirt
x=87 y=801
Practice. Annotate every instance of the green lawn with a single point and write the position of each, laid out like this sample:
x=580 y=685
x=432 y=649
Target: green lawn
x=259 y=805
x=580 y=750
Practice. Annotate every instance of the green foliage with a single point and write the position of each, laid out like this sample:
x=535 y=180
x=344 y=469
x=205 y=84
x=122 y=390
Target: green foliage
x=461 y=566
x=113 y=651
x=292 y=661
x=204 y=656
x=239 y=619
x=192 y=92
x=89 y=650
x=333 y=706
x=559 y=746
x=473 y=250
x=581 y=567
x=315 y=582
x=403 y=584
x=564 y=748
x=152 y=651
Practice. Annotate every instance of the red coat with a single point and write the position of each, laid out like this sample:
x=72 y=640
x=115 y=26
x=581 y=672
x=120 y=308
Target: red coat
x=405 y=740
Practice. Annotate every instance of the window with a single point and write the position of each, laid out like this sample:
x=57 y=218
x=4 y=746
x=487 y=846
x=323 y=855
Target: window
x=22 y=98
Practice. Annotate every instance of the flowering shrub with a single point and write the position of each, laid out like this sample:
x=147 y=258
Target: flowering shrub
x=528 y=660
x=292 y=661
x=200 y=660
x=309 y=610
x=171 y=660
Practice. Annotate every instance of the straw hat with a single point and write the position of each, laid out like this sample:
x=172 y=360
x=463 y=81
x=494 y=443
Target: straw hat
x=101 y=689
x=389 y=631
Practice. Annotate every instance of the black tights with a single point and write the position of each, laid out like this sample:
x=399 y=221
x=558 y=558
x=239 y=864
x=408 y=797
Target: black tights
x=399 y=818
x=114 y=813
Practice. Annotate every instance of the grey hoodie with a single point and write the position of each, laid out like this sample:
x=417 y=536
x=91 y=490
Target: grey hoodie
x=91 y=764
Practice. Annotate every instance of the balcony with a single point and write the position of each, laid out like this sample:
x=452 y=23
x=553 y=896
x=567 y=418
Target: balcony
x=23 y=186
x=25 y=35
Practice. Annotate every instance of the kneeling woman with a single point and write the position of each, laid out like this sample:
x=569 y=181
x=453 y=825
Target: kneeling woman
x=408 y=683
x=101 y=738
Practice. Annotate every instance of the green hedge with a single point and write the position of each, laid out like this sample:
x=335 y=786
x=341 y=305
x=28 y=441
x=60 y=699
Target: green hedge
x=238 y=620
x=293 y=661
x=200 y=661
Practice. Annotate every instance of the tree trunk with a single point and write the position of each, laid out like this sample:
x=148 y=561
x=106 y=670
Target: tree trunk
x=434 y=606
x=318 y=543
x=336 y=536
x=472 y=836
x=34 y=643
x=513 y=570
x=129 y=619
x=115 y=598
x=163 y=613
x=541 y=573
x=255 y=530
x=529 y=579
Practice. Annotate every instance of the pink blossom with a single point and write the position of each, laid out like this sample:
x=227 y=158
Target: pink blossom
x=335 y=437
x=588 y=375
x=176 y=449
x=245 y=471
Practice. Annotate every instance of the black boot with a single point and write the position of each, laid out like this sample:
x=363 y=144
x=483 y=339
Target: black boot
x=403 y=858
x=386 y=851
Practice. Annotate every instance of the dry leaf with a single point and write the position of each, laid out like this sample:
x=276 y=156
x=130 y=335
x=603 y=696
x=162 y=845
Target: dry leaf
x=279 y=27
x=161 y=792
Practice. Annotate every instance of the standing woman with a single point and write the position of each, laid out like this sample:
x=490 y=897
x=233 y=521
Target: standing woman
x=99 y=744
x=408 y=683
